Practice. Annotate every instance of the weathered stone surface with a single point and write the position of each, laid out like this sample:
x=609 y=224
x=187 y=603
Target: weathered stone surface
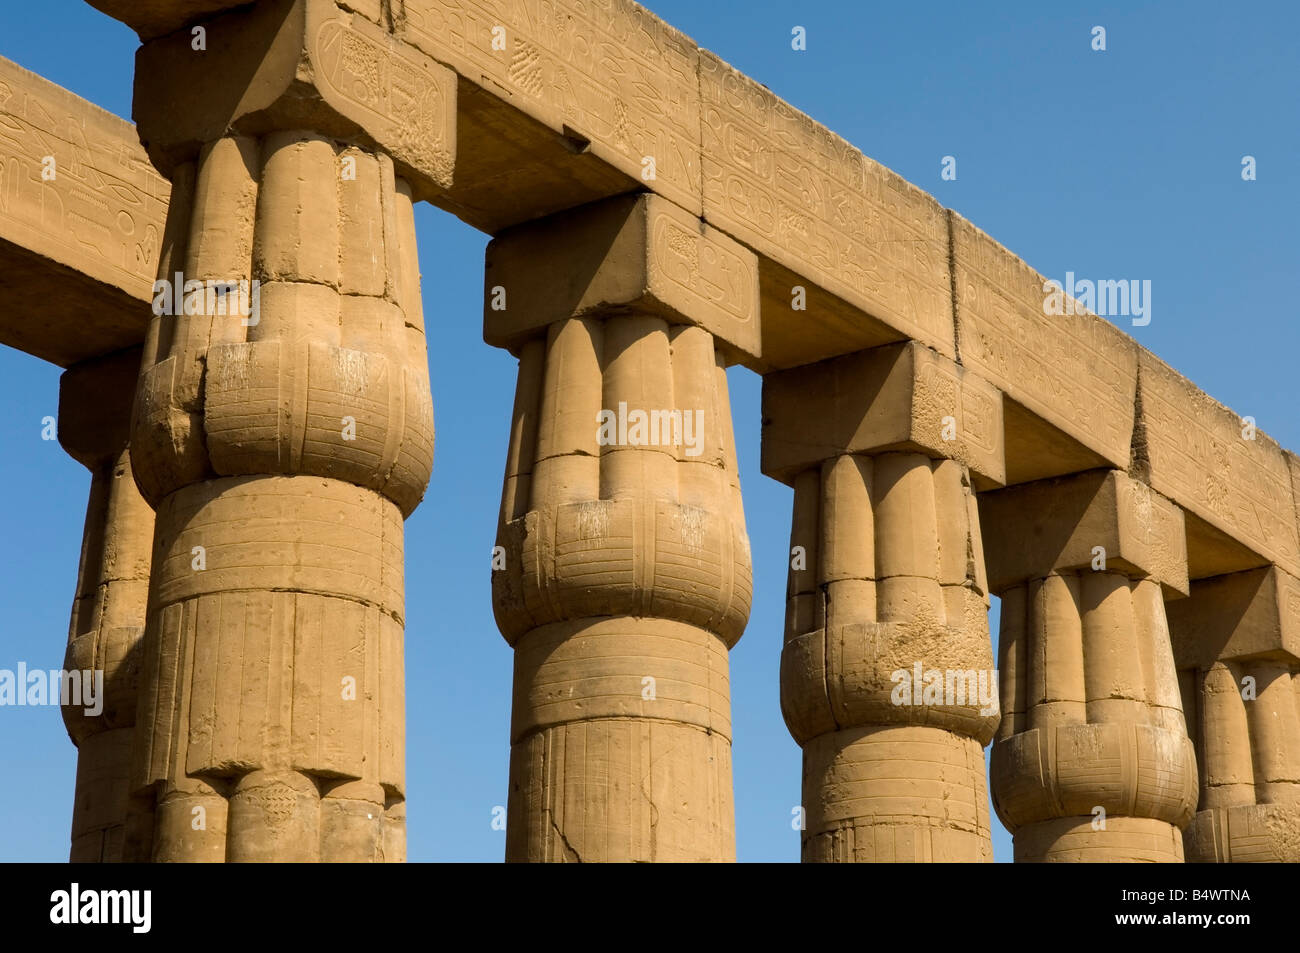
x=1237 y=645
x=1076 y=372
x=883 y=577
x=1248 y=614
x=886 y=593
x=1198 y=455
x=806 y=199
x=1055 y=525
x=609 y=81
x=1092 y=718
x=899 y=397
x=1244 y=834
x=823 y=326
x=622 y=570
x=623 y=565
x=632 y=251
x=283 y=442
x=229 y=395
x=108 y=612
x=1092 y=710
x=1244 y=715
x=648 y=200
x=299 y=64
x=152 y=18
x=81 y=222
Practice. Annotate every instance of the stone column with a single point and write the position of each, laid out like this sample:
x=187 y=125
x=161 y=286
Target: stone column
x=283 y=431
x=108 y=611
x=622 y=573
x=887 y=678
x=1237 y=647
x=282 y=448
x=1092 y=760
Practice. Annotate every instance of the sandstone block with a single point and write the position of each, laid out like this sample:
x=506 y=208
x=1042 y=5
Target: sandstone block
x=152 y=18
x=591 y=528
x=81 y=220
x=1076 y=372
x=801 y=196
x=895 y=794
x=1244 y=715
x=1241 y=615
x=899 y=397
x=299 y=64
x=109 y=608
x=1130 y=770
x=1093 y=721
x=621 y=575
x=319 y=377
x=1245 y=833
x=632 y=251
x=804 y=323
x=1073 y=840
x=579 y=103
x=1037 y=528
x=1199 y=456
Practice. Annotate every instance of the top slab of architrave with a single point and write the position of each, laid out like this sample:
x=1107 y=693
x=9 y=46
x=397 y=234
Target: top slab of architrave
x=79 y=235
x=583 y=92
x=580 y=92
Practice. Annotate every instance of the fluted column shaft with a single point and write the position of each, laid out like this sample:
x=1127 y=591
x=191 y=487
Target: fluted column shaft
x=108 y=611
x=622 y=574
x=1092 y=761
x=887 y=679
x=1240 y=678
x=283 y=431
x=892 y=772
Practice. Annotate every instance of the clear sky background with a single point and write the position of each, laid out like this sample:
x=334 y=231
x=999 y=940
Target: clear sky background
x=1117 y=164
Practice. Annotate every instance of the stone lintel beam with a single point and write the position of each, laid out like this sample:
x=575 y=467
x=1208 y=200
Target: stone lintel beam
x=899 y=397
x=1050 y=526
x=298 y=64
x=632 y=253
x=1072 y=376
x=562 y=107
x=1233 y=480
x=81 y=221
x=812 y=204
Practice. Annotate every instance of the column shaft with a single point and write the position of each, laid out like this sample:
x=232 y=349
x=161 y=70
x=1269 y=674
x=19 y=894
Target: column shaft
x=887 y=679
x=108 y=612
x=284 y=431
x=623 y=570
x=627 y=580
x=1240 y=677
x=1092 y=761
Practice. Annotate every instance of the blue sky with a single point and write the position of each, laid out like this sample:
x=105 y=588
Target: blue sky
x=1118 y=164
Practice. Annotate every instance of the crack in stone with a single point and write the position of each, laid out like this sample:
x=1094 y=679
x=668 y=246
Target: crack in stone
x=654 y=816
x=567 y=846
